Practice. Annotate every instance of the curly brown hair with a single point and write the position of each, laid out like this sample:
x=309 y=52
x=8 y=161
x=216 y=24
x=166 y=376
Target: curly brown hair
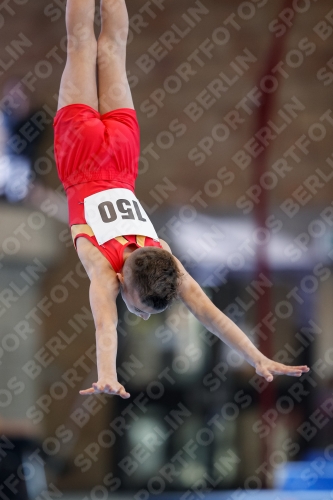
x=155 y=275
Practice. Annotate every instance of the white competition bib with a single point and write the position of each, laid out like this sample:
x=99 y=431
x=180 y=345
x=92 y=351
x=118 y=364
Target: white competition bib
x=116 y=212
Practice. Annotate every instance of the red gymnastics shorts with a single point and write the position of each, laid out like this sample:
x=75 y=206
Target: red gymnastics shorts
x=93 y=147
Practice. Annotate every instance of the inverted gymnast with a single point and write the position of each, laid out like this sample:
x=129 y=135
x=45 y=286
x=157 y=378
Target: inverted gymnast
x=97 y=150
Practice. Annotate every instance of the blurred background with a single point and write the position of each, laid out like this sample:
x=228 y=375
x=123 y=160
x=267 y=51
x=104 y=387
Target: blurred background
x=234 y=102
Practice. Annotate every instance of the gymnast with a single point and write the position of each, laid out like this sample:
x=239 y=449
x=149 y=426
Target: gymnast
x=97 y=149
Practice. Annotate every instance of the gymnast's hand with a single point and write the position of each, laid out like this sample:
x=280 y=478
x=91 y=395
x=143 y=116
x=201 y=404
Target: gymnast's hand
x=106 y=386
x=267 y=368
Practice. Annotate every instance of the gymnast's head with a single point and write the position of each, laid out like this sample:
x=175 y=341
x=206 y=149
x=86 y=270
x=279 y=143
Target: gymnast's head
x=149 y=281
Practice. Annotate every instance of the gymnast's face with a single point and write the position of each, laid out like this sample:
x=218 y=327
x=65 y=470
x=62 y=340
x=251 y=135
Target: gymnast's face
x=132 y=299
x=131 y=296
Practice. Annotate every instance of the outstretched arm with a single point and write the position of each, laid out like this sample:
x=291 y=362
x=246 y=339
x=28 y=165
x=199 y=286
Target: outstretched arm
x=104 y=288
x=218 y=323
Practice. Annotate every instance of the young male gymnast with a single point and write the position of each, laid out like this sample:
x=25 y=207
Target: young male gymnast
x=97 y=151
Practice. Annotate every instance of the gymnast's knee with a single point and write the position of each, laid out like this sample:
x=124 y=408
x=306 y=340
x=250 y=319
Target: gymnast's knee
x=115 y=22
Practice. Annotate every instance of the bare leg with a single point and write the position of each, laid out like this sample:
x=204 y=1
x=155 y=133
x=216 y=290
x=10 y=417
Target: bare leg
x=78 y=83
x=114 y=91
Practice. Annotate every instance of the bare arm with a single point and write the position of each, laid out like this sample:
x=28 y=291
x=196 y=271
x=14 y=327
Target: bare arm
x=104 y=288
x=220 y=325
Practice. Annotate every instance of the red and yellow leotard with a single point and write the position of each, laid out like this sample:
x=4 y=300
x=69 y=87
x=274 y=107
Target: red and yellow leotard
x=94 y=153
